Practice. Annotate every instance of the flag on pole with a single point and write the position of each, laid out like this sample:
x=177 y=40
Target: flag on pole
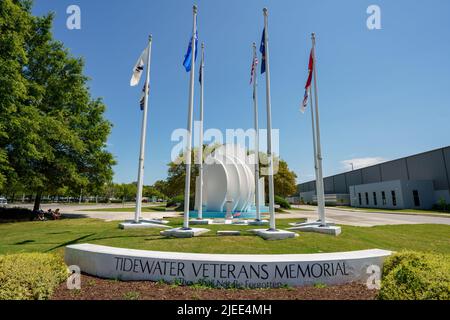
x=142 y=101
x=139 y=68
x=308 y=82
x=188 y=55
x=200 y=74
x=262 y=49
x=253 y=71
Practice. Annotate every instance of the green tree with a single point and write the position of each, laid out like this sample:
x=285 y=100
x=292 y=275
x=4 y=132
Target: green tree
x=177 y=172
x=108 y=191
x=126 y=191
x=56 y=133
x=284 y=180
x=15 y=26
x=161 y=186
x=151 y=191
x=177 y=175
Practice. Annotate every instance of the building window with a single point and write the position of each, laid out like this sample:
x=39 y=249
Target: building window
x=394 y=198
x=416 y=198
x=359 y=198
x=383 y=197
x=367 y=198
x=375 y=202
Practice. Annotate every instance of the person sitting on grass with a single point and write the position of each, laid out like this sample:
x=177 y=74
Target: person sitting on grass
x=56 y=214
x=40 y=215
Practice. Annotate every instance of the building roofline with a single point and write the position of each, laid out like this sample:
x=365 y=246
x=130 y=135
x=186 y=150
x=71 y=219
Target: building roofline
x=374 y=165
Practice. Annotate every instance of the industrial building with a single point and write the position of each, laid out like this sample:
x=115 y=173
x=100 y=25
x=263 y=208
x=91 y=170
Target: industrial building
x=418 y=181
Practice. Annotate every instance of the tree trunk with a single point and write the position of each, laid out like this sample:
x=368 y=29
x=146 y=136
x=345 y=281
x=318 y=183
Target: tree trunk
x=37 y=201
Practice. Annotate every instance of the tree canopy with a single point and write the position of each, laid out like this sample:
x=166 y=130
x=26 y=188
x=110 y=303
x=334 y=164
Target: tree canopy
x=52 y=132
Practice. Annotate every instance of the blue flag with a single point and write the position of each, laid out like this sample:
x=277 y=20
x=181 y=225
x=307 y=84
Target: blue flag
x=262 y=49
x=188 y=55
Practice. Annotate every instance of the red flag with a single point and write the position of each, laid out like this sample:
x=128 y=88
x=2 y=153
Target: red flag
x=308 y=82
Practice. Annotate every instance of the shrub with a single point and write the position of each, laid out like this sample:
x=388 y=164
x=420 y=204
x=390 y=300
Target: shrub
x=116 y=201
x=15 y=214
x=412 y=275
x=30 y=276
x=175 y=201
x=442 y=205
x=178 y=202
x=283 y=203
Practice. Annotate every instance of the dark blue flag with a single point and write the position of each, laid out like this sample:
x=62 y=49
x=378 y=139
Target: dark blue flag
x=262 y=49
x=200 y=75
x=188 y=55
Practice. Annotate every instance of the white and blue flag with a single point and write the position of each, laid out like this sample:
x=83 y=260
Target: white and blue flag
x=139 y=68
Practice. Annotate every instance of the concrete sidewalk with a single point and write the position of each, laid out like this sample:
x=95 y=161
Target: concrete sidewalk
x=121 y=216
x=363 y=218
x=82 y=211
x=336 y=215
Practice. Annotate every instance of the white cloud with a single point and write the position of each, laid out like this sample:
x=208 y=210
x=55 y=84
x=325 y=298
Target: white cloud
x=359 y=163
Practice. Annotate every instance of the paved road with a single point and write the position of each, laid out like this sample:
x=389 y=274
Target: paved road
x=343 y=217
x=365 y=219
x=81 y=211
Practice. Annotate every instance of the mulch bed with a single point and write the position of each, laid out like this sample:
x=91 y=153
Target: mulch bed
x=100 y=289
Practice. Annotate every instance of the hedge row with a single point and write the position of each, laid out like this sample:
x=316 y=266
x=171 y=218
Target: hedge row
x=16 y=214
x=412 y=275
x=282 y=202
x=30 y=276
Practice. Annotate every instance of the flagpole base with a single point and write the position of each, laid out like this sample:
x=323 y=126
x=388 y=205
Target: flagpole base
x=257 y=222
x=312 y=223
x=275 y=234
x=325 y=229
x=141 y=225
x=200 y=221
x=184 y=233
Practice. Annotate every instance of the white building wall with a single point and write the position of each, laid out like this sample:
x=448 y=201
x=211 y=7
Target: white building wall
x=403 y=194
x=307 y=197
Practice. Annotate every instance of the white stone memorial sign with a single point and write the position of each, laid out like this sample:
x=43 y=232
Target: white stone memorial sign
x=225 y=270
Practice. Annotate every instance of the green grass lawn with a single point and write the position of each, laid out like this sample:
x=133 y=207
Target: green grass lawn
x=130 y=209
x=53 y=236
x=298 y=209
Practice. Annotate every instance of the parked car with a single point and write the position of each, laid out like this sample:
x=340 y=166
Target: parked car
x=3 y=202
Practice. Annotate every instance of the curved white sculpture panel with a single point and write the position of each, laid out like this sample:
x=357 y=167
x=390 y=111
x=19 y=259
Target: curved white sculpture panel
x=228 y=176
x=217 y=177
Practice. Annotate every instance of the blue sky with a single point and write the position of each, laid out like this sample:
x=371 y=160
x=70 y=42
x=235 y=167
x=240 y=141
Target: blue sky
x=383 y=94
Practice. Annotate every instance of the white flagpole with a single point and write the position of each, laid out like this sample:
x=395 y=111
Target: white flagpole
x=200 y=148
x=313 y=126
x=319 y=181
x=137 y=214
x=269 y=124
x=313 y=135
x=255 y=107
x=189 y=125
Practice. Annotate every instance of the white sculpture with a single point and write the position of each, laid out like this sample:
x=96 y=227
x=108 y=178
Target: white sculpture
x=228 y=178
